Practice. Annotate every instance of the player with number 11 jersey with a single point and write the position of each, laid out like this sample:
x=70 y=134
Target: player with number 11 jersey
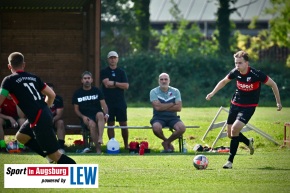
x=25 y=89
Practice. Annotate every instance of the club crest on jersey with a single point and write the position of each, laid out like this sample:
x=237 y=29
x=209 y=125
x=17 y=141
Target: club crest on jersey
x=169 y=93
x=249 y=79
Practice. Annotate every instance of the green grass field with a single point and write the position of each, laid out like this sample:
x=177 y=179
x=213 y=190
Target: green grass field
x=268 y=170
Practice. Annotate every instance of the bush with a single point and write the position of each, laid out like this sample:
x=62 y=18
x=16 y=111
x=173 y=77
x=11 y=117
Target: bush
x=195 y=76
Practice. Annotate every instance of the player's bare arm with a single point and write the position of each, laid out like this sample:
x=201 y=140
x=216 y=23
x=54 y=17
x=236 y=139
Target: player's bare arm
x=77 y=111
x=20 y=112
x=50 y=95
x=219 y=86
x=114 y=84
x=105 y=109
x=275 y=89
x=2 y=96
x=175 y=108
x=122 y=85
x=158 y=106
x=107 y=83
x=80 y=115
x=59 y=114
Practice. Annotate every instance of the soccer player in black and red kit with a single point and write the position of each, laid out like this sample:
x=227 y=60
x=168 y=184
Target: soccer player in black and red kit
x=27 y=91
x=244 y=101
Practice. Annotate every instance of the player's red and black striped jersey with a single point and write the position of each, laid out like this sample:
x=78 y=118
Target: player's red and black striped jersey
x=25 y=89
x=248 y=87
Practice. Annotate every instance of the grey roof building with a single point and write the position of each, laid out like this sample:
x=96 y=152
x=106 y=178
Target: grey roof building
x=203 y=12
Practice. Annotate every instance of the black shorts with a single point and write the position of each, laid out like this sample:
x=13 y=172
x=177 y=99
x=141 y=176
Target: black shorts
x=165 y=121
x=242 y=114
x=117 y=114
x=43 y=132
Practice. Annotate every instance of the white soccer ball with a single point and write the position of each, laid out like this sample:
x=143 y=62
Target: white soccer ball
x=200 y=162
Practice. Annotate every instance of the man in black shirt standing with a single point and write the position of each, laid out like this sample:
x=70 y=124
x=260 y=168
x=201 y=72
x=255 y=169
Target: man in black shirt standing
x=114 y=82
x=26 y=90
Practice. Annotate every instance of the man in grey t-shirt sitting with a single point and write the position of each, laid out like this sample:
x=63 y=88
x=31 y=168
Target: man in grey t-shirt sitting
x=166 y=102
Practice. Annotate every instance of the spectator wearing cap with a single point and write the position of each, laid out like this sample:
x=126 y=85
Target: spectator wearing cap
x=114 y=83
x=91 y=108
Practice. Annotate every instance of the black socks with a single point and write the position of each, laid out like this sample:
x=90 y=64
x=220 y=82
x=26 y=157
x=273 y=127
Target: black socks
x=61 y=143
x=65 y=160
x=233 y=148
x=243 y=139
x=33 y=145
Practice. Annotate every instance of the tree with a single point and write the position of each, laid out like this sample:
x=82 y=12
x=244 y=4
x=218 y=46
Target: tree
x=142 y=14
x=118 y=25
x=183 y=38
x=224 y=25
x=277 y=35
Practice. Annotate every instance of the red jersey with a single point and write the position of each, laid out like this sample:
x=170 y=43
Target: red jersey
x=9 y=108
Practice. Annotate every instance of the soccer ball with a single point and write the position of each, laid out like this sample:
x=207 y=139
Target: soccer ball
x=13 y=147
x=200 y=162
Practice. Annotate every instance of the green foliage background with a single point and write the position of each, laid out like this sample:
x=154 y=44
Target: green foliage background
x=194 y=62
x=195 y=76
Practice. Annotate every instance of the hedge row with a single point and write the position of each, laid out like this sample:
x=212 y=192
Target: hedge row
x=195 y=77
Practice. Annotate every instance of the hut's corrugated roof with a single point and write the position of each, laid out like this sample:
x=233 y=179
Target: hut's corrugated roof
x=34 y=5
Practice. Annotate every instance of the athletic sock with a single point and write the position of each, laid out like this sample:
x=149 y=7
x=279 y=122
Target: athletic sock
x=61 y=143
x=243 y=139
x=233 y=148
x=33 y=145
x=65 y=160
x=2 y=144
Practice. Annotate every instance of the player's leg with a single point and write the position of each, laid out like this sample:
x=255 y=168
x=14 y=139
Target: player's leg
x=101 y=124
x=60 y=132
x=111 y=122
x=121 y=117
x=25 y=136
x=92 y=126
x=20 y=121
x=245 y=116
x=47 y=140
x=2 y=141
x=125 y=134
x=234 y=143
x=157 y=125
x=244 y=139
x=236 y=128
x=179 y=129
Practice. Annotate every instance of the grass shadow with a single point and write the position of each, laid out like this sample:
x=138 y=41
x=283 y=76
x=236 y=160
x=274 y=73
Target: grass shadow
x=272 y=168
